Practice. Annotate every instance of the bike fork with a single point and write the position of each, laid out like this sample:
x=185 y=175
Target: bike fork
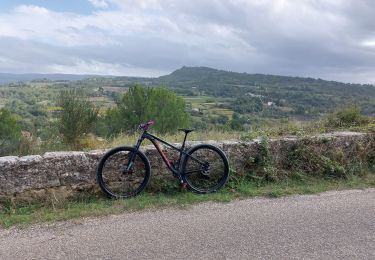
x=134 y=154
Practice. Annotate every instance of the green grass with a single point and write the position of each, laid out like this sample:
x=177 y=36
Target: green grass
x=89 y=206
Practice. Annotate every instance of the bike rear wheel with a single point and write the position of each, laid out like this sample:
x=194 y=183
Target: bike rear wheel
x=205 y=168
x=116 y=179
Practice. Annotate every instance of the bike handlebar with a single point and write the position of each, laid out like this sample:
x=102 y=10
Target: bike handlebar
x=145 y=126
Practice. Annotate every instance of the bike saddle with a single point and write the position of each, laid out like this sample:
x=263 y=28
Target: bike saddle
x=186 y=130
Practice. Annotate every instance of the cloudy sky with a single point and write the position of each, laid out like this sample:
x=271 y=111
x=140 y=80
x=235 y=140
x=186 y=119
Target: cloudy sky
x=330 y=39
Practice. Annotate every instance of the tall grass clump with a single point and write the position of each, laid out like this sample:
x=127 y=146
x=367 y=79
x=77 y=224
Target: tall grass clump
x=348 y=116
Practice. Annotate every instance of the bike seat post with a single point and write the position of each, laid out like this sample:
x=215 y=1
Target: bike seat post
x=182 y=148
x=183 y=144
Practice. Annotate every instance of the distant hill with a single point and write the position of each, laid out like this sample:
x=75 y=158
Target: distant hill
x=306 y=95
x=291 y=95
x=9 y=77
x=207 y=75
x=302 y=96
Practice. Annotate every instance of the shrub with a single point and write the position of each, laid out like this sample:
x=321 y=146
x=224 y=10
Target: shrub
x=141 y=104
x=10 y=133
x=77 y=117
x=347 y=117
x=247 y=104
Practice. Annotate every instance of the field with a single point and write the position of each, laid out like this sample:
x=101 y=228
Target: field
x=206 y=104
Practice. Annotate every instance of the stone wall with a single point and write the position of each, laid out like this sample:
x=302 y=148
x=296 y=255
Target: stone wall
x=75 y=171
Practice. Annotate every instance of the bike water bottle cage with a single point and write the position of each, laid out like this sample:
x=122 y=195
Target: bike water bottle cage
x=145 y=126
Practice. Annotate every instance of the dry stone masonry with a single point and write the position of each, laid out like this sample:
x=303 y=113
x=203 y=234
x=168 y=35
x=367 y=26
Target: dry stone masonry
x=72 y=172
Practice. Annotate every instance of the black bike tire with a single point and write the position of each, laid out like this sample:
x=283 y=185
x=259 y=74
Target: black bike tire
x=101 y=164
x=224 y=178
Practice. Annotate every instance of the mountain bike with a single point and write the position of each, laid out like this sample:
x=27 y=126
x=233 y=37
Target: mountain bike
x=124 y=171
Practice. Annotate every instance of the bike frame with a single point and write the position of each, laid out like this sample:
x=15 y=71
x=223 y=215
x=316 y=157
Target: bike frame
x=154 y=139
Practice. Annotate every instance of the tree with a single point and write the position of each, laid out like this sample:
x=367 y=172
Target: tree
x=247 y=105
x=141 y=104
x=10 y=133
x=77 y=117
x=237 y=122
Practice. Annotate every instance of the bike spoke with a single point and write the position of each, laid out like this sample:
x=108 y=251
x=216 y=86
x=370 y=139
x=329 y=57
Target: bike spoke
x=206 y=169
x=119 y=181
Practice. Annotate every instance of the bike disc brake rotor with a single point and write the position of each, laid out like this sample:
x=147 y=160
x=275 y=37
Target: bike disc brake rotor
x=125 y=171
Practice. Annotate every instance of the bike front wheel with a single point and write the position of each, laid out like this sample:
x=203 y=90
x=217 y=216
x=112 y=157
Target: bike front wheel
x=119 y=177
x=205 y=168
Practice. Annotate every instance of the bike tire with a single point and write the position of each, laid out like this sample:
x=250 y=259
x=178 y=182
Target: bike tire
x=205 y=168
x=113 y=178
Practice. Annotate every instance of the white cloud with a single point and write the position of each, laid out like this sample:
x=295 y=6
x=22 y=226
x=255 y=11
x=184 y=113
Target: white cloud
x=320 y=38
x=31 y=9
x=99 y=68
x=140 y=4
x=62 y=29
x=99 y=3
x=369 y=43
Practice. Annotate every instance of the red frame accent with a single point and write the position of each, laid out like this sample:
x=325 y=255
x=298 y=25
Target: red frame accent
x=163 y=156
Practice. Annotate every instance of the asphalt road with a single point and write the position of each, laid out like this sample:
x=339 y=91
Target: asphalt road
x=333 y=225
